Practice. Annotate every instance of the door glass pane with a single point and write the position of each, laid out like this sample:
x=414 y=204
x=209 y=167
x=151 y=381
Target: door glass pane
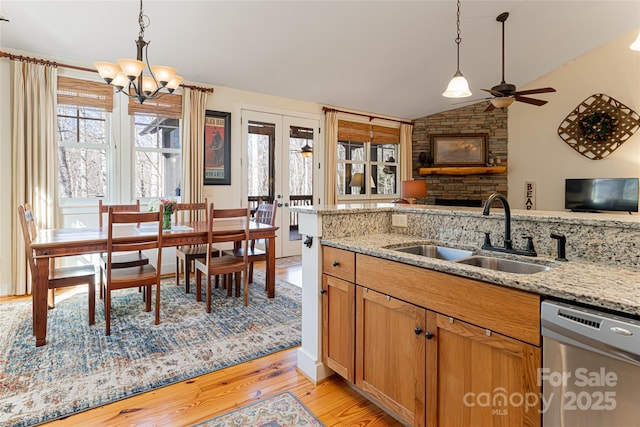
x=260 y=170
x=300 y=174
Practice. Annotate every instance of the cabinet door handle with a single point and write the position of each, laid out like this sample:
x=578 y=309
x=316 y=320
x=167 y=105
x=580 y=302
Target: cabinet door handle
x=418 y=331
x=323 y=291
x=429 y=335
x=335 y=263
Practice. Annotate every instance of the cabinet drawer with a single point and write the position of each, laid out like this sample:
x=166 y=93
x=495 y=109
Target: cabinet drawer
x=339 y=263
x=511 y=312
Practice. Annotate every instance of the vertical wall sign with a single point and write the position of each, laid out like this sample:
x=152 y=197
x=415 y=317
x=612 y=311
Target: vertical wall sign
x=217 y=148
x=530 y=195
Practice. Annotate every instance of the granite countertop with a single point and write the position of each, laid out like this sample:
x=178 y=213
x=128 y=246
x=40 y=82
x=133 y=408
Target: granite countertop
x=598 y=285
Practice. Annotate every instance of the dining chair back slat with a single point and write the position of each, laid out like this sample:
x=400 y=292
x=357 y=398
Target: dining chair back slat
x=145 y=276
x=220 y=231
x=187 y=254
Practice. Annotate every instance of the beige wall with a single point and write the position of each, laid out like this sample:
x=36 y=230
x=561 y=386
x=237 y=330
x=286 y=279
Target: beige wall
x=536 y=152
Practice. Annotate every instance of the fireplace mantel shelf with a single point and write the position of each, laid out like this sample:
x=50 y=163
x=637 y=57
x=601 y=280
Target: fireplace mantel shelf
x=463 y=170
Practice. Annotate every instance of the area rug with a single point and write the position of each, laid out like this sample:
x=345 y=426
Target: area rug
x=281 y=410
x=81 y=368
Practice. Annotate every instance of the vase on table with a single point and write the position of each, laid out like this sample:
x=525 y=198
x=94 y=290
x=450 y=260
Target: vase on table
x=166 y=221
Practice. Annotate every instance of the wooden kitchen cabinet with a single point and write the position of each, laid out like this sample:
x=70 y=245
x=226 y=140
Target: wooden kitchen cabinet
x=338 y=326
x=479 y=378
x=338 y=311
x=390 y=353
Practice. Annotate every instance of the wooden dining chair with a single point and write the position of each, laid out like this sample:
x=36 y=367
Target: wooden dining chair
x=132 y=259
x=265 y=214
x=187 y=254
x=58 y=277
x=225 y=264
x=146 y=275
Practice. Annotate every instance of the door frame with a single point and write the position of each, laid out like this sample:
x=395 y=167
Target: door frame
x=318 y=152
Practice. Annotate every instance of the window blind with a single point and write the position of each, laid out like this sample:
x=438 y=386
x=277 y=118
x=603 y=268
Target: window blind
x=85 y=93
x=361 y=132
x=167 y=105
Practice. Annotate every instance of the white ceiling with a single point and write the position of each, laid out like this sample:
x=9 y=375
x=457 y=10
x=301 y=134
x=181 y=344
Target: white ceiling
x=383 y=57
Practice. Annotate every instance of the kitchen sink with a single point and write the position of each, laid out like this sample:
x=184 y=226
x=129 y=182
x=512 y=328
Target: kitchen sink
x=506 y=265
x=433 y=251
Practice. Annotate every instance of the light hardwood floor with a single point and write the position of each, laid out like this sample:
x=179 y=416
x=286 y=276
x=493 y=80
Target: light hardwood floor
x=189 y=402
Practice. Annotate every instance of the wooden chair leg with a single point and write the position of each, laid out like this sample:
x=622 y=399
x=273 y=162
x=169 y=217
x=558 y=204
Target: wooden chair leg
x=246 y=290
x=237 y=284
x=157 y=302
x=92 y=303
x=217 y=281
x=177 y=271
x=250 y=272
x=208 y=293
x=229 y=281
x=198 y=285
x=187 y=274
x=51 y=298
x=148 y=298
x=107 y=310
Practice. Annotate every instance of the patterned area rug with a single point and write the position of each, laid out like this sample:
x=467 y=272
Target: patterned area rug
x=281 y=410
x=81 y=368
x=290 y=261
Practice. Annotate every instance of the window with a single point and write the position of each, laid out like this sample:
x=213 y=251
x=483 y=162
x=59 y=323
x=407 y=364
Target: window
x=158 y=158
x=83 y=150
x=95 y=162
x=367 y=161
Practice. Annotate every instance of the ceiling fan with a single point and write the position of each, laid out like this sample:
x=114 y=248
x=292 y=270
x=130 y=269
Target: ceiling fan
x=505 y=93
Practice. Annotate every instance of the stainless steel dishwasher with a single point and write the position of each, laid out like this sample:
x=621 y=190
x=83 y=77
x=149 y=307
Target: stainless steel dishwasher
x=591 y=367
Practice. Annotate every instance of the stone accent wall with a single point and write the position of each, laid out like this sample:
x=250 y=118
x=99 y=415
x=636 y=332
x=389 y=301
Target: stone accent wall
x=468 y=119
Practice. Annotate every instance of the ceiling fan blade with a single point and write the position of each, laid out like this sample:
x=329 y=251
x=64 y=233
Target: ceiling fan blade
x=490 y=107
x=533 y=91
x=493 y=92
x=533 y=101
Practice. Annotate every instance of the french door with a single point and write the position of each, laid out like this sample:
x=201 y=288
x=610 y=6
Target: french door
x=279 y=169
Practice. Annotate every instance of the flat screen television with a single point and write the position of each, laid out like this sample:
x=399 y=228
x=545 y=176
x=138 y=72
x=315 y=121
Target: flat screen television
x=601 y=194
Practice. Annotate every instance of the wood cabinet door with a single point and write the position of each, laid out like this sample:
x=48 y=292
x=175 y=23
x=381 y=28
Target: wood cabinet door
x=338 y=326
x=483 y=378
x=390 y=353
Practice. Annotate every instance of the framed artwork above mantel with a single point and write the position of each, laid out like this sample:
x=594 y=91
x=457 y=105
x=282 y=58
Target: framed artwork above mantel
x=452 y=150
x=217 y=148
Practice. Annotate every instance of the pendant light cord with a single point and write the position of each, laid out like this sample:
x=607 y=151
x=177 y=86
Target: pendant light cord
x=458 y=39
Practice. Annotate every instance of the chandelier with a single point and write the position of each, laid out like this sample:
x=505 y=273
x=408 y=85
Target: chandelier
x=127 y=74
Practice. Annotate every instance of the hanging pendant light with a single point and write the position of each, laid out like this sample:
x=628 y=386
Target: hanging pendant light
x=636 y=44
x=127 y=75
x=458 y=86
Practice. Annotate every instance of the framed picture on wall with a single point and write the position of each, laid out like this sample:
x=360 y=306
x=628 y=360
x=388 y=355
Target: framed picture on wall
x=459 y=150
x=217 y=148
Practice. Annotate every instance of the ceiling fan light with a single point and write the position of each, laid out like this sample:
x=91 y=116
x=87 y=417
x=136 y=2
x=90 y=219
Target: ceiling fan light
x=502 y=102
x=131 y=67
x=636 y=44
x=458 y=87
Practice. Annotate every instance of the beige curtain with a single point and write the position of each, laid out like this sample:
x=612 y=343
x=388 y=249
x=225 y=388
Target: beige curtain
x=193 y=112
x=330 y=153
x=406 y=161
x=34 y=155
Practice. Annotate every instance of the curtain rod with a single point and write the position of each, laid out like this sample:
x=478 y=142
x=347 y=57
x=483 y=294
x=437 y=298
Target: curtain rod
x=329 y=110
x=75 y=67
x=42 y=61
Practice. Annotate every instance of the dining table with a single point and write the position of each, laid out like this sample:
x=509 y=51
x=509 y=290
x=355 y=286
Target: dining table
x=63 y=242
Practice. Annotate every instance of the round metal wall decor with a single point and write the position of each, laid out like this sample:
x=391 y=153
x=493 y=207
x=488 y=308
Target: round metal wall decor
x=598 y=126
